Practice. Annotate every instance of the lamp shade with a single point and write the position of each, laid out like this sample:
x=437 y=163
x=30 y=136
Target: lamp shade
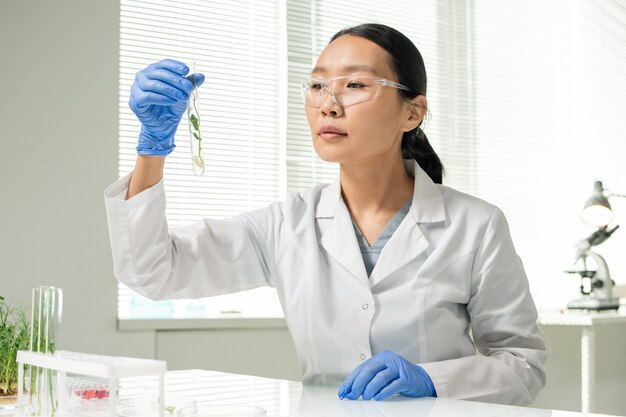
x=597 y=211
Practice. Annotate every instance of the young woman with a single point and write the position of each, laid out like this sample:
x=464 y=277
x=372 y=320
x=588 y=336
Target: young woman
x=390 y=281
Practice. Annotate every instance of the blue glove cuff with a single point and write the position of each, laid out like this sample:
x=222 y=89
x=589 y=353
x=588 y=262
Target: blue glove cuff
x=430 y=387
x=156 y=146
x=154 y=151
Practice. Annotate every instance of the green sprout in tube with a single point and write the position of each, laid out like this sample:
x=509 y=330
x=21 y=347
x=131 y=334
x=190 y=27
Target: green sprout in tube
x=195 y=134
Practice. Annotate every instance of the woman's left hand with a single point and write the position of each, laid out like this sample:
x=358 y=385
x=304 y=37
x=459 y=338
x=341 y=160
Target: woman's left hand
x=384 y=375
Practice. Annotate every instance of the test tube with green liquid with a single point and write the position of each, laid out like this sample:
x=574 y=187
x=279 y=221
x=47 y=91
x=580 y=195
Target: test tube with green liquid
x=195 y=134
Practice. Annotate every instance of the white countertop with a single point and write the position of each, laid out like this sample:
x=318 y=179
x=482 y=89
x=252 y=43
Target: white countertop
x=288 y=398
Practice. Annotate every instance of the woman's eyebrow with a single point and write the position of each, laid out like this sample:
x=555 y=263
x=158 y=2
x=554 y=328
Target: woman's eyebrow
x=348 y=69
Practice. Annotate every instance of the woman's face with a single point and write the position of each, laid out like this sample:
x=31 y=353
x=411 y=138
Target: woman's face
x=369 y=129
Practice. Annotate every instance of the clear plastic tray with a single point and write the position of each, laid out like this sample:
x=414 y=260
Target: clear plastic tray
x=88 y=384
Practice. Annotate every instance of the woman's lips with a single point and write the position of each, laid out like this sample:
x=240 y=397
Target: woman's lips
x=331 y=136
x=330 y=133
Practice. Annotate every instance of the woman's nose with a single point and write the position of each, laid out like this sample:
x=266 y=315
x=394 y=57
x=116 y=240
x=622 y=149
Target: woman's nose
x=330 y=105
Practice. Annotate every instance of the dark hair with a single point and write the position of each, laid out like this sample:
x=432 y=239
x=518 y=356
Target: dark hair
x=408 y=65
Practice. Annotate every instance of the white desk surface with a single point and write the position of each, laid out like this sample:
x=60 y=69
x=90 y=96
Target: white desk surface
x=288 y=398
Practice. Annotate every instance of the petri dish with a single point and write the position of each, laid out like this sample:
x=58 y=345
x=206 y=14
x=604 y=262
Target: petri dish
x=137 y=406
x=223 y=411
x=149 y=406
x=142 y=411
x=175 y=403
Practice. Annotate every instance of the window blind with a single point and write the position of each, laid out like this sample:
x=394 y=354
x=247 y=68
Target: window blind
x=235 y=45
x=548 y=90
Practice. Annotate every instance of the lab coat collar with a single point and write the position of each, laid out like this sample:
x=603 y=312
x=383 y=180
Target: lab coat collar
x=339 y=239
x=426 y=206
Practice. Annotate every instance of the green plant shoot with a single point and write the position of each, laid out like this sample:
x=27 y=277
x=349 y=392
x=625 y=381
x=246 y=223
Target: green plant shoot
x=14 y=336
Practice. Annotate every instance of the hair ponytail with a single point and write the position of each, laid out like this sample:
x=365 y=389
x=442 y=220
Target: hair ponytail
x=415 y=145
x=408 y=66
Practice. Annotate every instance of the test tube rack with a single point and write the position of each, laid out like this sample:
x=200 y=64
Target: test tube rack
x=108 y=368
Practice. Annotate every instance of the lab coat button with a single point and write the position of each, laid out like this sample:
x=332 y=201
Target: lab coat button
x=363 y=356
x=364 y=306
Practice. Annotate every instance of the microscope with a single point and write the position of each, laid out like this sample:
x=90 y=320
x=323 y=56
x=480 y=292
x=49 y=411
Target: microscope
x=596 y=285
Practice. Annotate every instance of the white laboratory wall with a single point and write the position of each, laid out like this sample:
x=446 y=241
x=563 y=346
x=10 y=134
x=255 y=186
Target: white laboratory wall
x=58 y=128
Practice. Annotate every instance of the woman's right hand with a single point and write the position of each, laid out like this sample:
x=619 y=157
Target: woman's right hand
x=159 y=98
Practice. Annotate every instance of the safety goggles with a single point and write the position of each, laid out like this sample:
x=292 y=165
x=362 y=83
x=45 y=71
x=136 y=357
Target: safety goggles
x=346 y=90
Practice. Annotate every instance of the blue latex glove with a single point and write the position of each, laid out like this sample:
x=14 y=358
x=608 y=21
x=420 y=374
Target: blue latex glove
x=384 y=375
x=159 y=98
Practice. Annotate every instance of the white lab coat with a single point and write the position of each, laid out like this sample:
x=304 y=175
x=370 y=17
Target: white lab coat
x=449 y=268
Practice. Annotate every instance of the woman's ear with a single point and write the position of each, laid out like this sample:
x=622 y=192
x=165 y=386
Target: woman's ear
x=417 y=110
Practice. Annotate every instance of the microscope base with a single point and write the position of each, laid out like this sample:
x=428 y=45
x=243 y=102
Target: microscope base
x=588 y=303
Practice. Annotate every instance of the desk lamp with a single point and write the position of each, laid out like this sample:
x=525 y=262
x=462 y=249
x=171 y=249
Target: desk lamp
x=596 y=285
x=597 y=211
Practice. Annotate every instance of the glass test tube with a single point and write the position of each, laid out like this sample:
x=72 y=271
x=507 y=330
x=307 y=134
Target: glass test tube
x=195 y=135
x=46 y=313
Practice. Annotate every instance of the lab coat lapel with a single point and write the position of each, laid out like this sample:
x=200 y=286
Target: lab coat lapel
x=408 y=241
x=339 y=238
